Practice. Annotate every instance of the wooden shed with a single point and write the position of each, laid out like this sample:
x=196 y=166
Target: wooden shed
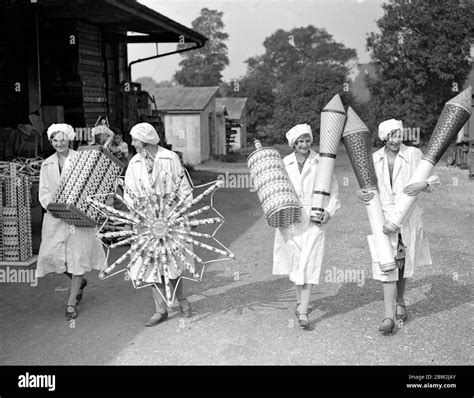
x=193 y=123
x=67 y=61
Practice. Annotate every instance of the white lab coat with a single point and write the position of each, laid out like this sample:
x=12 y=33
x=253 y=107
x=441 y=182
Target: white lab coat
x=417 y=248
x=299 y=249
x=63 y=246
x=166 y=166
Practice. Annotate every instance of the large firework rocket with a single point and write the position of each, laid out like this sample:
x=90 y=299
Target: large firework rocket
x=455 y=114
x=333 y=117
x=161 y=234
x=357 y=140
x=93 y=171
x=274 y=189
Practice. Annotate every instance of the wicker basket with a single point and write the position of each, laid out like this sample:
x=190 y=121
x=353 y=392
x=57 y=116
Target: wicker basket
x=274 y=189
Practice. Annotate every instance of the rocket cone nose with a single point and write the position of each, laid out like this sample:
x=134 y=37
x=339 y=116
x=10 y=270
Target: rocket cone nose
x=463 y=99
x=353 y=123
x=335 y=104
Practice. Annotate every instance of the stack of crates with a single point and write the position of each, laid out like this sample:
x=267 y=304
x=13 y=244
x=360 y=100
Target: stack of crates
x=15 y=224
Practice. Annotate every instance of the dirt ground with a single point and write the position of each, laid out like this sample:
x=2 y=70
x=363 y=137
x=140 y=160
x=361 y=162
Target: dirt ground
x=243 y=315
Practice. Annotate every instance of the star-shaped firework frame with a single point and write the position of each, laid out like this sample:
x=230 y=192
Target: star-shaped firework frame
x=160 y=233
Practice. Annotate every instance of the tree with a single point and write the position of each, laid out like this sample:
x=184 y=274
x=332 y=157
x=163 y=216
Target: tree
x=260 y=102
x=203 y=67
x=289 y=53
x=147 y=82
x=167 y=83
x=151 y=85
x=421 y=58
x=302 y=69
x=305 y=94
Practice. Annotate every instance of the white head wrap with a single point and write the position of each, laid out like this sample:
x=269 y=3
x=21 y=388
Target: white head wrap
x=294 y=133
x=61 y=128
x=145 y=133
x=101 y=129
x=386 y=127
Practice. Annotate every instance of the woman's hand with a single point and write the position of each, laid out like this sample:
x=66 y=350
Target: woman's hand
x=387 y=231
x=325 y=217
x=365 y=195
x=415 y=188
x=320 y=221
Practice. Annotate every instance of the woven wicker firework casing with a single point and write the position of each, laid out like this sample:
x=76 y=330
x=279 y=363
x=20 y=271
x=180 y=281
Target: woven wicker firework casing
x=274 y=189
x=333 y=118
x=93 y=171
x=357 y=140
x=455 y=113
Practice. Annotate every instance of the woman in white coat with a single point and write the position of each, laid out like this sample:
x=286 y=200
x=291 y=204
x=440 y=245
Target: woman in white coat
x=299 y=249
x=65 y=248
x=394 y=165
x=151 y=164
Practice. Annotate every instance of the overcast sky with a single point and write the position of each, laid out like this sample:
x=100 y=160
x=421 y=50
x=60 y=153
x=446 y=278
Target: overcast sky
x=249 y=22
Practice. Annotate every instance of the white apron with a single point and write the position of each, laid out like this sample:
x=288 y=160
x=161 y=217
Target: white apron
x=299 y=249
x=417 y=248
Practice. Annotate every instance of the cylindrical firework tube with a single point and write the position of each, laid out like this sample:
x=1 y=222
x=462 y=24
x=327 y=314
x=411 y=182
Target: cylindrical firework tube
x=397 y=217
x=117 y=262
x=166 y=272
x=380 y=242
x=357 y=140
x=176 y=213
x=455 y=114
x=333 y=117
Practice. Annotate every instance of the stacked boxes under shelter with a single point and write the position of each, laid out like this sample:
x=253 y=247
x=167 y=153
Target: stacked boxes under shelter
x=15 y=224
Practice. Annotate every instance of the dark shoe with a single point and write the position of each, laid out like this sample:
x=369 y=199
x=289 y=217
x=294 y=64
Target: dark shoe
x=404 y=315
x=185 y=308
x=303 y=320
x=157 y=318
x=71 y=314
x=79 y=295
x=387 y=327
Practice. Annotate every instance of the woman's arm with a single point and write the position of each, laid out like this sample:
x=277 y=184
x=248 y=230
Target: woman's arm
x=416 y=187
x=185 y=189
x=131 y=185
x=45 y=193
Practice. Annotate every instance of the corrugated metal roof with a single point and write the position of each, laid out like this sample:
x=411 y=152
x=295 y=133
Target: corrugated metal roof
x=234 y=106
x=184 y=98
